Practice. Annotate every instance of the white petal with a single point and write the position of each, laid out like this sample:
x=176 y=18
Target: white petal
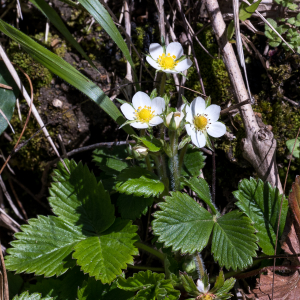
x=189 y=129
x=155 y=50
x=175 y=48
x=158 y=105
x=128 y=111
x=153 y=63
x=169 y=71
x=216 y=129
x=198 y=139
x=198 y=106
x=139 y=125
x=141 y=99
x=187 y=107
x=200 y=286
x=213 y=112
x=183 y=65
x=178 y=120
x=155 y=121
x=189 y=117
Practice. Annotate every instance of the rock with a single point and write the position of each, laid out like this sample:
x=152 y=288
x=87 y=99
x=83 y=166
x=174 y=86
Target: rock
x=57 y=103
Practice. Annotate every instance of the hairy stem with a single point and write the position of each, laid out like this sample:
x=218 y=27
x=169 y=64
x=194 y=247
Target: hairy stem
x=174 y=162
x=162 y=84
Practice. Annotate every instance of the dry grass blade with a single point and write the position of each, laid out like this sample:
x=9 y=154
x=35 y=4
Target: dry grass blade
x=284 y=186
x=4 y=86
x=4 y=116
x=266 y=21
x=3 y=269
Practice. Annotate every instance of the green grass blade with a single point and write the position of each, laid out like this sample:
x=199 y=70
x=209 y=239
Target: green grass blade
x=64 y=70
x=55 y=19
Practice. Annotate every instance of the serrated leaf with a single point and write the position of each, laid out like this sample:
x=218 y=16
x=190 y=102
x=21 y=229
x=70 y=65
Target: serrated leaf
x=64 y=70
x=7 y=97
x=55 y=19
x=234 y=241
x=43 y=246
x=201 y=188
x=290 y=145
x=227 y=286
x=193 y=161
x=80 y=200
x=189 y=284
x=131 y=207
x=139 y=182
x=261 y=203
x=104 y=256
x=35 y=296
x=183 y=224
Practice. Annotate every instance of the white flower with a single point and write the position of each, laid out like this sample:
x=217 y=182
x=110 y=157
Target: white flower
x=201 y=288
x=203 y=120
x=168 y=62
x=144 y=111
x=178 y=116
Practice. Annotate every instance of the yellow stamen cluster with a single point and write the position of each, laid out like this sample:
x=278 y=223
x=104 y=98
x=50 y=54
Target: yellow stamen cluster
x=207 y=296
x=167 y=62
x=145 y=114
x=200 y=122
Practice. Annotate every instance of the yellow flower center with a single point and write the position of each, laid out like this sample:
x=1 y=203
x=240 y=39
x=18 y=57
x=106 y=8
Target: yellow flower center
x=200 y=122
x=144 y=115
x=207 y=296
x=167 y=62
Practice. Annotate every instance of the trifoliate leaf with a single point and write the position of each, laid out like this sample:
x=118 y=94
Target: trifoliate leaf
x=80 y=200
x=105 y=256
x=234 y=241
x=261 y=203
x=183 y=224
x=290 y=145
x=193 y=161
x=131 y=207
x=43 y=246
x=35 y=296
x=111 y=160
x=139 y=182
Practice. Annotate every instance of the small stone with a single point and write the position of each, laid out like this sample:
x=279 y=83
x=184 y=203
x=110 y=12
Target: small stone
x=57 y=103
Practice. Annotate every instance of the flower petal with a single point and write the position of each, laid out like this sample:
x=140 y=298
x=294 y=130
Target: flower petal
x=139 y=125
x=128 y=111
x=198 y=106
x=200 y=286
x=175 y=48
x=153 y=63
x=189 y=129
x=155 y=121
x=158 y=105
x=183 y=65
x=213 y=112
x=170 y=71
x=189 y=116
x=216 y=129
x=198 y=139
x=155 y=50
x=141 y=99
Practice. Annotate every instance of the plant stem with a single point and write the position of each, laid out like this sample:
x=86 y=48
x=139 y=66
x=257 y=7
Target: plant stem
x=148 y=163
x=151 y=250
x=162 y=84
x=174 y=163
x=181 y=157
x=160 y=164
x=146 y=268
x=213 y=186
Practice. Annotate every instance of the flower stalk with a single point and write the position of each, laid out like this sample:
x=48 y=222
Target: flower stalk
x=174 y=162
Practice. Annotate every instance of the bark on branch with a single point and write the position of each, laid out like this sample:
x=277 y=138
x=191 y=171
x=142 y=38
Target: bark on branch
x=259 y=146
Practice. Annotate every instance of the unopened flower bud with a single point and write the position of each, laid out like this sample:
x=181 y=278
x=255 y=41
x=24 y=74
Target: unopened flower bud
x=140 y=151
x=178 y=116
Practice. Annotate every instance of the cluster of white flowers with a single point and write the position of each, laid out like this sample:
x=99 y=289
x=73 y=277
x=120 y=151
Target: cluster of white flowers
x=200 y=120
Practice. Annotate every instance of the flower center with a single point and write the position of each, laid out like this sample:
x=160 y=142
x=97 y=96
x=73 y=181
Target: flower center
x=200 y=122
x=177 y=114
x=144 y=115
x=167 y=61
x=207 y=296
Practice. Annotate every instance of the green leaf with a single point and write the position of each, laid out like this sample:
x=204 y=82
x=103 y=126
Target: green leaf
x=261 y=203
x=290 y=145
x=100 y=14
x=105 y=256
x=234 y=241
x=189 y=284
x=201 y=188
x=224 y=290
x=246 y=11
x=272 y=22
x=64 y=70
x=131 y=207
x=111 y=160
x=139 y=182
x=274 y=44
x=152 y=144
x=43 y=246
x=91 y=290
x=35 y=296
x=79 y=200
x=7 y=97
x=291 y=20
x=193 y=161
x=183 y=224
x=230 y=30
x=55 y=19
x=15 y=282
x=46 y=286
